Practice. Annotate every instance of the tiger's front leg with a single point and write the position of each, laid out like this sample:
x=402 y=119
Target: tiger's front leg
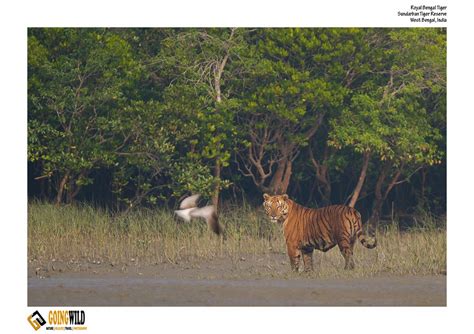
x=295 y=257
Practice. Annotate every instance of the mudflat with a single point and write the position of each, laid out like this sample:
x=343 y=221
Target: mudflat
x=245 y=282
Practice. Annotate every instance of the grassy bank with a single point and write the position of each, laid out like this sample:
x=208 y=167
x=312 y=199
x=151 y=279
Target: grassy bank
x=83 y=234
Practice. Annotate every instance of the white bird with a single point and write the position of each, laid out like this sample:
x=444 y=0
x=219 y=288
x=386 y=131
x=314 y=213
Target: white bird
x=189 y=202
x=189 y=209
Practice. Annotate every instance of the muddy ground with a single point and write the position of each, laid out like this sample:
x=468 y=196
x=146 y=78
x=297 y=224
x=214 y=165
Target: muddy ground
x=222 y=282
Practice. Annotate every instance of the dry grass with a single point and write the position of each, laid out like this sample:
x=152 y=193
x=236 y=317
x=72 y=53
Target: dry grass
x=75 y=234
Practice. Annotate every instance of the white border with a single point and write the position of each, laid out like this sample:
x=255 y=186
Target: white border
x=242 y=13
x=17 y=16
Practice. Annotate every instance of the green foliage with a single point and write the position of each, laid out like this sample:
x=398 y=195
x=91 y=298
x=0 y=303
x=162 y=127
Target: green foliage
x=296 y=78
x=388 y=113
x=76 y=91
x=174 y=111
x=192 y=177
x=198 y=64
x=145 y=155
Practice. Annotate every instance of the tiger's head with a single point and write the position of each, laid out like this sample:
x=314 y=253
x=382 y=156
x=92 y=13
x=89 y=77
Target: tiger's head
x=276 y=207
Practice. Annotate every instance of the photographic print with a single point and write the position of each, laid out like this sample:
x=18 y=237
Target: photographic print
x=237 y=166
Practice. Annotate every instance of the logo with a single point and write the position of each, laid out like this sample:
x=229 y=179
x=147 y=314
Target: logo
x=59 y=320
x=36 y=320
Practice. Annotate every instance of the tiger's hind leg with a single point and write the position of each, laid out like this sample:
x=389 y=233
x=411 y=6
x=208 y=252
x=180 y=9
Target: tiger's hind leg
x=346 y=247
x=307 y=259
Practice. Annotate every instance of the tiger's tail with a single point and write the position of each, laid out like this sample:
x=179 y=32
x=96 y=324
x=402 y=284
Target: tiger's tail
x=369 y=242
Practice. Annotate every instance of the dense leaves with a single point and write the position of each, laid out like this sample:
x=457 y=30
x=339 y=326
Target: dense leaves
x=153 y=114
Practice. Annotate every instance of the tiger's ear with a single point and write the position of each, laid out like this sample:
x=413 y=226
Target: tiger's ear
x=266 y=196
x=285 y=197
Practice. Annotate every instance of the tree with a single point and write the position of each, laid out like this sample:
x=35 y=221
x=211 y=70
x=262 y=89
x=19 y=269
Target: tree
x=386 y=118
x=146 y=156
x=199 y=64
x=300 y=78
x=77 y=80
x=141 y=116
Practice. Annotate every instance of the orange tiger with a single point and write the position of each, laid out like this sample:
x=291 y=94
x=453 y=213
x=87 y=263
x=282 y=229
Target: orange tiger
x=306 y=229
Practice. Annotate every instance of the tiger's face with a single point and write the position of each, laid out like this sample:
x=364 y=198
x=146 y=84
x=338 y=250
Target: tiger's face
x=276 y=207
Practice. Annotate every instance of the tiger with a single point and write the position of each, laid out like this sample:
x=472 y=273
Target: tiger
x=306 y=229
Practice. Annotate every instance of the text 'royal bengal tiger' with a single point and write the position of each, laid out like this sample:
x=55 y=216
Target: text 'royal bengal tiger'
x=306 y=229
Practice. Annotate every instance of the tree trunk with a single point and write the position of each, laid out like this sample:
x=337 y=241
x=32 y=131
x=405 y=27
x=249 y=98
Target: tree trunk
x=73 y=188
x=381 y=196
x=375 y=216
x=392 y=183
x=218 y=71
x=42 y=184
x=378 y=200
x=286 y=178
x=217 y=175
x=281 y=179
x=61 y=187
x=360 y=182
x=422 y=201
x=322 y=176
x=312 y=191
x=325 y=189
x=72 y=192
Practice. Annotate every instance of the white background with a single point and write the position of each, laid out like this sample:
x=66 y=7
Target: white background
x=17 y=16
